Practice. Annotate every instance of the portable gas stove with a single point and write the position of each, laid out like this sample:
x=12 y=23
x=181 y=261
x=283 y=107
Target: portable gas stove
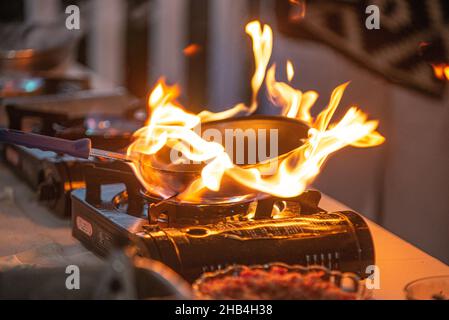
x=216 y=206
x=105 y=118
x=113 y=211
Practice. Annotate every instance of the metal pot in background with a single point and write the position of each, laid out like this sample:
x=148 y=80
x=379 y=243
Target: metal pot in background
x=35 y=48
x=29 y=52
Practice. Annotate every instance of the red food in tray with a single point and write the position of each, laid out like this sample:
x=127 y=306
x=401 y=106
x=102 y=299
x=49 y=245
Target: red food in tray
x=276 y=282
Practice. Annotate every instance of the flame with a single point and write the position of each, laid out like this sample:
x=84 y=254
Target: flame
x=192 y=50
x=441 y=71
x=262 y=40
x=170 y=126
x=290 y=70
x=297 y=10
x=295 y=103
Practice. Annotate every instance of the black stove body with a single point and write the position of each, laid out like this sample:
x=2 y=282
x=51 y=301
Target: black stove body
x=110 y=212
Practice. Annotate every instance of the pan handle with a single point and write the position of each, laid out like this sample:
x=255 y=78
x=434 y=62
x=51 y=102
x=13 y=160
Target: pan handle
x=76 y=148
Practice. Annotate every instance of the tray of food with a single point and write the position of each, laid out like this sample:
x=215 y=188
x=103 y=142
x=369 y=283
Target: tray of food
x=278 y=281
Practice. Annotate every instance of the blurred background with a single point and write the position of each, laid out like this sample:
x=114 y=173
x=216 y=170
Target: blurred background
x=396 y=73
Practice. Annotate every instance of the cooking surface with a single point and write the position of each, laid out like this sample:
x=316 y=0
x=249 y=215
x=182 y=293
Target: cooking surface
x=31 y=235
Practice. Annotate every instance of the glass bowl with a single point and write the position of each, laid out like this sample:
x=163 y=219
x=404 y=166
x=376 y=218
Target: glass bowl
x=347 y=282
x=429 y=288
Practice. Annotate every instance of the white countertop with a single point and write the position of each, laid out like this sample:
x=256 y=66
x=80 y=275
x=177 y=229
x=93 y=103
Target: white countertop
x=30 y=234
x=399 y=262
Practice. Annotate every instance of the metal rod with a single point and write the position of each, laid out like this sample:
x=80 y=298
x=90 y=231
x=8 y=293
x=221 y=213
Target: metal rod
x=97 y=153
x=153 y=205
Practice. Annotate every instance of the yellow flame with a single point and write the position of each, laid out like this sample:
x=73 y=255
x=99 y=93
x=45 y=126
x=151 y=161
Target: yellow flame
x=171 y=126
x=291 y=180
x=295 y=104
x=290 y=70
x=441 y=71
x=262 y=40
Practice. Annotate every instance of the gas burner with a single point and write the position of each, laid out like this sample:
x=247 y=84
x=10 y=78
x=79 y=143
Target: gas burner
x=193 y=238
x=170 y=212
x=174 y=213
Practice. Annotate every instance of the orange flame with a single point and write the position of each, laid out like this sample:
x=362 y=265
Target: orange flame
x=297 y=10
x=191 y=50
x=441 y=71
x=169 y=126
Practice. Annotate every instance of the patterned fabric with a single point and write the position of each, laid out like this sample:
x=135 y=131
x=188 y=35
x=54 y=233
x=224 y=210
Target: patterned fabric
x=393 y=50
